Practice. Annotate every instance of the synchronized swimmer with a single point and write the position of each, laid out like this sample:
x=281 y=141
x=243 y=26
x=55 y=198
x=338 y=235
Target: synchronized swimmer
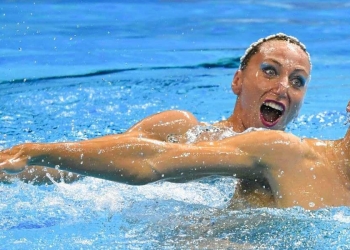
x=275 y=168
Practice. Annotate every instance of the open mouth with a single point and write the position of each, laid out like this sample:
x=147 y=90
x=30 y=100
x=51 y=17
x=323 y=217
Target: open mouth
x=271 y=112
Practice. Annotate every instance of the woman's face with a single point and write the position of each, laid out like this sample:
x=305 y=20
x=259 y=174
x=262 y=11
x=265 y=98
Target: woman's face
x=272 y=86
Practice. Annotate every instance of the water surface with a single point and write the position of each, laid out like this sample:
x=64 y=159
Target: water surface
x=74 y=70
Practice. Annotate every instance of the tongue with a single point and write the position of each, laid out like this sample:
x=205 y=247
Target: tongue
x=270 y=114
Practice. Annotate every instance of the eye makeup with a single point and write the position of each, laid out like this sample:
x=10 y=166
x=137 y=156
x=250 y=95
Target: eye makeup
x=300 y=78
x=268 y=69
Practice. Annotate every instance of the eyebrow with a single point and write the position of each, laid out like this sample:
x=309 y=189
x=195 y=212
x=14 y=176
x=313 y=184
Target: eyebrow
x=295 y=70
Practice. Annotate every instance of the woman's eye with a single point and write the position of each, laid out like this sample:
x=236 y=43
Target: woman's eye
x=297 y=82
x=269 y=71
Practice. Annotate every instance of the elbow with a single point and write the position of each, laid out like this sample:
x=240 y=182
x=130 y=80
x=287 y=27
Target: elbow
x=138 y=173
x=146 y=173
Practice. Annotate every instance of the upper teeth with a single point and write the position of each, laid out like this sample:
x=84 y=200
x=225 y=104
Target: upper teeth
x=274 y=106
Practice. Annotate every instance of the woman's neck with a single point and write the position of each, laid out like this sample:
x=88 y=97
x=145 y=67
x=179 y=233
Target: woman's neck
x=232 y=122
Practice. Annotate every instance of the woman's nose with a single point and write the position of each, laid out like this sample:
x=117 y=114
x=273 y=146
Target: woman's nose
x=282 y=87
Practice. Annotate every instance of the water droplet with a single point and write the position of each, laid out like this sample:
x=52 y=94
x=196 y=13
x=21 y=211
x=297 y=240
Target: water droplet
x=311 y=204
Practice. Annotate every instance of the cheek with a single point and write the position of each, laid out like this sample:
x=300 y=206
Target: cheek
x=249 y=92
x=297 y=100
x=249 y=99
x=265 y=85
x=297 y=97
x=260 y=83
x=256 y=83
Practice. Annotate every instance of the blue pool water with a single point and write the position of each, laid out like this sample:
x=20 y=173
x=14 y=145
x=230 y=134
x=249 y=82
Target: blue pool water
x=73 y=70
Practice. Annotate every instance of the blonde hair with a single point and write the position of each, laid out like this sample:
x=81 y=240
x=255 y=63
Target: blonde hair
x=254 y=47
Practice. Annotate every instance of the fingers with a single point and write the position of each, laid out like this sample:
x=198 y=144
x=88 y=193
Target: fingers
x=348 y=107
x=12 y=160
x=12 y=166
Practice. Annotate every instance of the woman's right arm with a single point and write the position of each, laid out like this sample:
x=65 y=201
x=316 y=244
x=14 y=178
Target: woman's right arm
x=134 y=160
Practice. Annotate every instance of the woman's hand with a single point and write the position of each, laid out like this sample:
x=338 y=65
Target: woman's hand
x=13 y=160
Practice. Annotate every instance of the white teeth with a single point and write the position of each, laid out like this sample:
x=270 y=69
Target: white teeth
x=274 y=105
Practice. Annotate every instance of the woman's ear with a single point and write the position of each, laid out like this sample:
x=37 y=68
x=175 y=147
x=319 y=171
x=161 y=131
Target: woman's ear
x=237 y=82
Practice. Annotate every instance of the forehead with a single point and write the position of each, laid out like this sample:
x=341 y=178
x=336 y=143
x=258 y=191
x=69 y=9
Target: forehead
x=286 y=53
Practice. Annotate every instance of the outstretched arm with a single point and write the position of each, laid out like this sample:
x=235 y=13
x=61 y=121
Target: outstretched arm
x=109 y=157
x=156 y=127
x=134 y=160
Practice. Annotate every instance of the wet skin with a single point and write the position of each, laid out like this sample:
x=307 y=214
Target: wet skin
x=300 y=172
x=278 y=73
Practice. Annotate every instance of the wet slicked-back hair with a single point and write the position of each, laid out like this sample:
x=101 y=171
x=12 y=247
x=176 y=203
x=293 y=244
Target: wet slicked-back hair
x=254 y=47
